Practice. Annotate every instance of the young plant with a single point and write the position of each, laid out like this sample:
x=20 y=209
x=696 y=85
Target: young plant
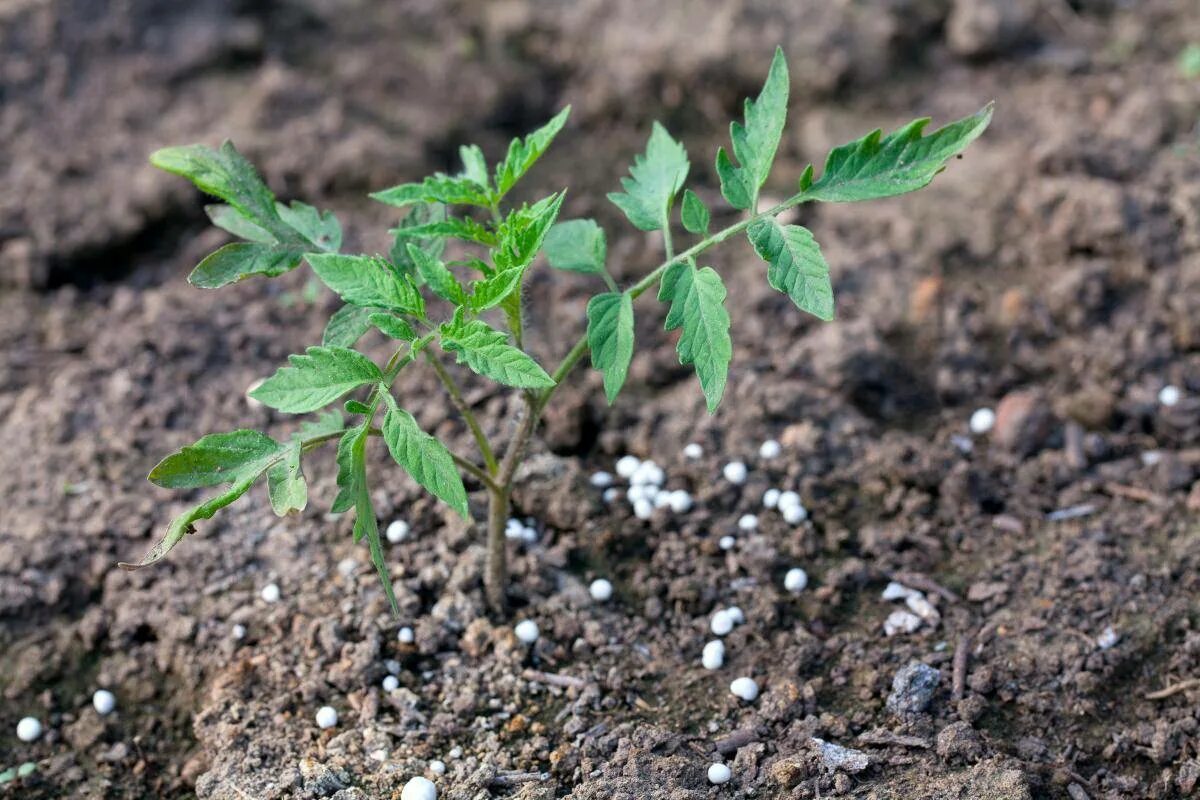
x=485 y=331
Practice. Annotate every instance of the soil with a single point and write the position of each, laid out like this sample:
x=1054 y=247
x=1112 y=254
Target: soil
x=1053 y=273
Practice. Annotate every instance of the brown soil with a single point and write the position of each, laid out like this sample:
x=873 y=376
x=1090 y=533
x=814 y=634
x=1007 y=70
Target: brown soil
x=1056 y=267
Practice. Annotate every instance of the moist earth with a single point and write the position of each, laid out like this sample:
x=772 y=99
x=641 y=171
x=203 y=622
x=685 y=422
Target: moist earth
x=1053 y=273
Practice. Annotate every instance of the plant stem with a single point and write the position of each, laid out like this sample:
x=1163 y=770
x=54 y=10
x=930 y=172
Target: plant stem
x=456 y=397
x=495 y=577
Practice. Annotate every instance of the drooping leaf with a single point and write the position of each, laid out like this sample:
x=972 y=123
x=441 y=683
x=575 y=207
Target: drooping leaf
x=316 y=379
x=655 y=178
x=452 y=228
x=321 y=228
x=217 y=458
x=697 y=299
x=439 y=188
x=523 y=231
x=228 y=218
x=346 y=326
x=610 y=337
x=241 y=260
x=435 y=274
x=393 y=327
x=344 y=501
x=883 y=166
x=522 y=153
x=796 y=266
x=577 y=246
x=286 y=486
x=354 y=492
x=695 y=214
x=424 y=458
x=487 y=352
x=755 y=141
x=368 y=282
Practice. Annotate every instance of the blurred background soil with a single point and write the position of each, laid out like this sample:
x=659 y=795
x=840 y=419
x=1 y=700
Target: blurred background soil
x=1053 y=273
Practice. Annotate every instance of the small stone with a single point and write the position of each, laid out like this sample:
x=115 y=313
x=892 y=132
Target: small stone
x=419 y=789
x=1023 y=422
x=959 y=740
x=693 y=451
x=718 y=774
x=770 y=449
x=912 y=689
x=924 y=609
x=1108 y=638
x=835 y=757
x=901 y=622
x=796 y=580
x=735 y=472
x=601 y=590
x=745 y=688
x=713 y=656
x=104 y=702
x=897 y=591
x=527 y=631
x=327 y=717
x=29 y=729
x=397 y=531
x=270 y=593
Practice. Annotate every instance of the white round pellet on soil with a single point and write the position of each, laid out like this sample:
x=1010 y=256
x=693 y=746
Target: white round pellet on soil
x=789 y=499
x=238 y=632
x=693 y=451
x=397 y=531
x=391 y=683
x=602 y=480
x=1169 y=395
x=718 y=774
x=529 y=534
x=514 y=529
x=747 y=522
x=735 y=614
x=637 y=492
x=29 y=729
x=527 y=631
x=735 y=472
x=104 y=702
x=455 y=752
x=982 y=421
x=771 y=498
x=405 y=635
x=681 y=501
x=270 y=593
x=796 y=580
x=392 y=666
x=611 y=495
x=794 y=515
x=713 y=656
x=662 y=499
x=744 y=688
x=770 y=449
x=437 y=767
x=601 y=590
x=1108 y=638
x=327 y=717
x=643 y=508
x=627 y=465
x=419 y=789
x=721 y=623
x=727 y=543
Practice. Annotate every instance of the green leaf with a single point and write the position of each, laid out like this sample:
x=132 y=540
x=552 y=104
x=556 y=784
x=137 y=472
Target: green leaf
x=656 y=177
x=883 y=166
x=439 y=188
x=393 y=327
x=474 y=164
x=796 y=266
x=577 y=246
x=286 y=485
x=487 y=352
x=226 y=174
x=697 y=299
x=356 y=493
x=523 y=231
x=755 y=142
x=695 y=214
x=494 y=289
x=330 y=422
x=610 y=337
x=241 y=260
x=424 y=458
x=419 y=214
x=229 y=219
x=440 y=279
x=321 y=228
x=368 y=282
x=316 y=379
x=523 y=153
x=217 y=458
x=453 y=228
x=346 y=326
x=344 y=501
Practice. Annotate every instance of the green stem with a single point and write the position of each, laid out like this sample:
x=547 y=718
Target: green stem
x=460 y=403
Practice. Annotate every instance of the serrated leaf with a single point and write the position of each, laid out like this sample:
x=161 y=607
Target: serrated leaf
x=577 y=246
x=435 y=274
x=217 y=458
x=655 y=178
x=316 y=379
x=393 y=327
x=523 y=153
x=228 y=218
x=523 y=231
x=487 y=352
x=419 y=214
x=474 y=164
x=240 y=260
x=344 y=501
x=610 y=338
x=755 y=141
x=321 y=228
x=357 y=407
x=796 y=266
x=697 y=299
x=354 y=492
x=695 y=214
x=878 y=166
x=424 y=458
x=494 y=289
x=346 y=326
x=368 y=282
x=439 y=188
x=224 y=173
x=453 y=228
x=286 y=486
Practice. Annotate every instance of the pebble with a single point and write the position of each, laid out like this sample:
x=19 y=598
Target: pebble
x=900 y=622
x=455 y=752
x=796 y=580
x=747 y=522
x=397 y=531
x=735 y=472
x=1169 y=395
x=270 y=593
x=347 y=566
x=419 y=789
x=601 y=590
x=745 y=688
x=681 y=501
x=643 y=508
x=527 y=631
x=713 y=656
x=327 y=717
x=924 y=609
x=627 y=465
x=437 y=767
x=602 y=480
x=912 y=689
x=727 y=542
x=405 y=635
x=897 y=591
x=1108 y=638
x=104 y=702
x=693 y=451
x=770 y=449
x=982 y=421
x=771 y=498
x=29 y=729
x=721 y=623
x=391 y=683
x=835 y=757
x=718 y=774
